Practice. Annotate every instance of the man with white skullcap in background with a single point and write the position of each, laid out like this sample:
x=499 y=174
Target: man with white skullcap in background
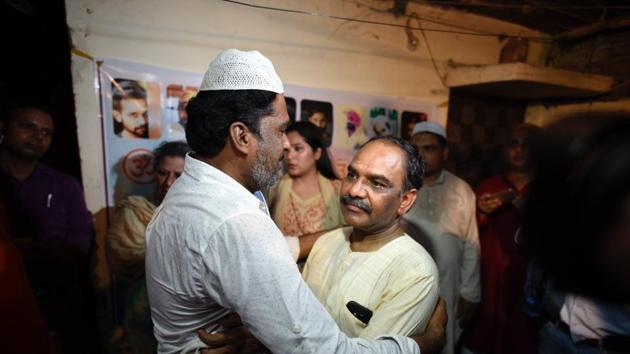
x=213 y=250
x=443 y=220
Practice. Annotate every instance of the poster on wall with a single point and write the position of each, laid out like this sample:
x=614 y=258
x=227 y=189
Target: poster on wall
x=320 y=113
x=409 y=121
x=383 y=122
x=177 y=97
x=144 y=105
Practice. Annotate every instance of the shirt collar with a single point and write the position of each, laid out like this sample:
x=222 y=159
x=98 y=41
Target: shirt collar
x=441 y=177
x=205 y=173
x=439 y=180
x=40 y=170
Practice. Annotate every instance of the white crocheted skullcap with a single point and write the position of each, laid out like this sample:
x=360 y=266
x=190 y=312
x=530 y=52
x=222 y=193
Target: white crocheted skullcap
x=429 y=127
x=235 y=69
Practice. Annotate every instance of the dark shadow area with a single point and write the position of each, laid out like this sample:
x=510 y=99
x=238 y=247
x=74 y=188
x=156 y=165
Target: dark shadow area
x=36 y=70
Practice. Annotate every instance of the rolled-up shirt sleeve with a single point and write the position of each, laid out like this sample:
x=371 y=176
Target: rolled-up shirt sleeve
x=259 y=280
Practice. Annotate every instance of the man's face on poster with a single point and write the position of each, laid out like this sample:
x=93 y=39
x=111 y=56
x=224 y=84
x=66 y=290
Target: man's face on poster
x=133 y=117
x=319 y=119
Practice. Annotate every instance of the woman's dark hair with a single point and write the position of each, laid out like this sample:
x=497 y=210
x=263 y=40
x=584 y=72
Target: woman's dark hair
x=581 y=189
x=211 y=113
x=170 y=148
x=313 y=137
x=414 y=166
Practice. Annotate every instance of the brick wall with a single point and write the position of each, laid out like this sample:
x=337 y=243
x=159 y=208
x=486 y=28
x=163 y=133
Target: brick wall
x=606 y=53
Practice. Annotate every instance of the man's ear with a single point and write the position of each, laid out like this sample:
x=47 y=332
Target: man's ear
x=241 y=137
x=117 y=116
x=445 y=153
x=408 y=199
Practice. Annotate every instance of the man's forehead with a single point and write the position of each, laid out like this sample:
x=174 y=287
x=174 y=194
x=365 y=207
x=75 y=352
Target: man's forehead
x=379 y=157
x=519 y=134
x=280 y=115
x=35 y=116
x=425 y=138
x=134 y=102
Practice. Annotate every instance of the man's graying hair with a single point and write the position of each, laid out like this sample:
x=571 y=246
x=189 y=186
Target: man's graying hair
x=170 y=148
x=413 y=164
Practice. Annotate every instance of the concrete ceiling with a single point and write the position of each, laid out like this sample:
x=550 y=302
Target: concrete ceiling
x=553 y=17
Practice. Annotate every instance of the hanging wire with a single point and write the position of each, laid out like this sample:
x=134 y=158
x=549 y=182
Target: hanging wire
x=442 y=78
x=424 y=19
x=388 y=24
x=528 y=4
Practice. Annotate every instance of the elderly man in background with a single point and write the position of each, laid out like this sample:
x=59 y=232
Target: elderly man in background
x=443 y=220
x=213 y=250
x=126 y=248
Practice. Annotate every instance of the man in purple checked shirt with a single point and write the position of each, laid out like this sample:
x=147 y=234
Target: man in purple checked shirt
x=50 y=225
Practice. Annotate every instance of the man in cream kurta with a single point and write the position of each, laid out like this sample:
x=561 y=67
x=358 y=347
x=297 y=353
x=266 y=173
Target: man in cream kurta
x=445 y=223
x=373 y=262
x=397 y=282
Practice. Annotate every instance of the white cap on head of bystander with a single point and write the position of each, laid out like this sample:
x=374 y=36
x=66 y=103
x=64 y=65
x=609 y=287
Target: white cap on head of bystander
x=429 y=127
x=235 y=69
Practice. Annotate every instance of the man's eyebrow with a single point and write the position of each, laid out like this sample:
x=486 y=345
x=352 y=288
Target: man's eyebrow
x=285 y=125
x=379 y=178
x=372 y=176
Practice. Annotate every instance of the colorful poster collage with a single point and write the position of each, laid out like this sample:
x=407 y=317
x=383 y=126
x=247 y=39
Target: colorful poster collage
x=143 y=105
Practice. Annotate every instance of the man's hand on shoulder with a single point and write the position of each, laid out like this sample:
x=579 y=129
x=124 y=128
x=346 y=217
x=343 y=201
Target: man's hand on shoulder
x=434 y=337
x=234 y=338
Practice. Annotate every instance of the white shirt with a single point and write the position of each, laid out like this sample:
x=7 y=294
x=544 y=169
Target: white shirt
x=211 y=250
x=595 y=319
x=445 y=214
x=398 y=283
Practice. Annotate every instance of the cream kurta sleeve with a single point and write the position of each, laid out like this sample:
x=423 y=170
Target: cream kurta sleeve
x=406 y=308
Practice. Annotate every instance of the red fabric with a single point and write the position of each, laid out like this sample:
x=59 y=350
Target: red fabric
x=501 y=325
x=22 y=328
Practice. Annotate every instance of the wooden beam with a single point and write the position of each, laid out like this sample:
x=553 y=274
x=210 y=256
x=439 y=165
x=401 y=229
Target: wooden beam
x=595 y=28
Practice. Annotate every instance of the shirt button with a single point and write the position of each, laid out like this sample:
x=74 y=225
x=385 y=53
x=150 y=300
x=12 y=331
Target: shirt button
x=296 y=329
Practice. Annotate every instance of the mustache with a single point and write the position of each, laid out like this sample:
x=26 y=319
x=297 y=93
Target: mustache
x=348 y=200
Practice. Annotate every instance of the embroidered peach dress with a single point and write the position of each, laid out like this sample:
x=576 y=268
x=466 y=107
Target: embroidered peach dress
x=298 y=216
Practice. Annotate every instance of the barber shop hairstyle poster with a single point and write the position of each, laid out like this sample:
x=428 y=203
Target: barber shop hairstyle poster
x=143 y=106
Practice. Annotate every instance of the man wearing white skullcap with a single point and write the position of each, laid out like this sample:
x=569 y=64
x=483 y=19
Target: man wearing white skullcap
x=443 y=220
x=213 y=250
